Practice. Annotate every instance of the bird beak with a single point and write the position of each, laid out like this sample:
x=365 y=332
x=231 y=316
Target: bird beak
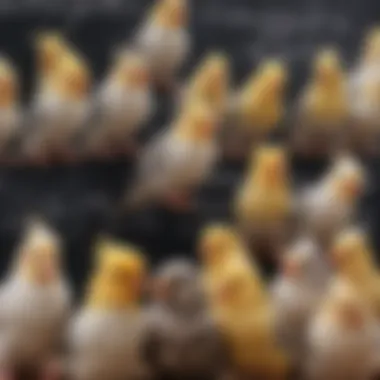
x=351 y=188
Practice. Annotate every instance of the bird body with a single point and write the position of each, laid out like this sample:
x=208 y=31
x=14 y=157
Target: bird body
x=341 y=338
x=323 y=108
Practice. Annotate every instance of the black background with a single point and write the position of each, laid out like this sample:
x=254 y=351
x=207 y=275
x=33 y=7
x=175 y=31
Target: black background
x=82 y=201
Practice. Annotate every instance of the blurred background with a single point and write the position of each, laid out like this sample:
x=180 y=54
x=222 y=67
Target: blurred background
x=83 y=201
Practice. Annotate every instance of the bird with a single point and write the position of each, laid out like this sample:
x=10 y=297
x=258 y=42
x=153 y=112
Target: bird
x=61 y=110
x=297 y=291
x=353 y=259
x=176 y=162
x=164 y=41
x=330 y=204
x=244 y=314
x=50 y=47
x=341 y=344
x=35 y=304
x=122 y=106
x=264 y=204
x=218 y=246
x=256 y=109
x=210 y=82
x=183 y=340
x=364 y=91
x=106 y=336
x=322 y=111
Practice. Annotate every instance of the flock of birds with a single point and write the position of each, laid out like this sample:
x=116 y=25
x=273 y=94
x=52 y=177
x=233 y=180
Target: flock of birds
x=317 y=319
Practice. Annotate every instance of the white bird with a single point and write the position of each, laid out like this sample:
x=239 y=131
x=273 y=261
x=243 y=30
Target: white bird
x=34 y=304
x=164 y=40
x=341 y=337
x=297 y=292
x=330 y=204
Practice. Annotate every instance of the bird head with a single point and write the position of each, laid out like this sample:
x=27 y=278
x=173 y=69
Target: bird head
x=328 y=69
x=131 y=70
x=118 y=277
x=197 y=122
x=348 y=179
x=350 y=249
x=170 y=14
x=176 y=285
x=50 y=47
x=269 y=166
x=38 y=260
x=217 y=242
x=371 y=48
x=72 y=77
x=299 y=260
x=239 y=287
x=211 y=80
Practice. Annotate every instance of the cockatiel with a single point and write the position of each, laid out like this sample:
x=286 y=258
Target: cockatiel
x=330 y=204
x=245 y=316
x=124 y=103
x=353 y=259
x=257 y=108
x=106 y=337
x=210 y=82
x=35 y=303
x=365 y=96
x=264 y=204
x=164 y=40
x=183 y=341
x=323 y=109
x=178 y=160
x=10 y=113
x=341 y=344
x=61 y=109
x=219 y=245
x=297 y=292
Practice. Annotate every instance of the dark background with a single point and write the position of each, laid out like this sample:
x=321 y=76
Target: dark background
x=82 y=201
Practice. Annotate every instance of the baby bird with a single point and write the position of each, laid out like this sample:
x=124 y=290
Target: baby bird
x=184 y=342
x=210 y=82
x=353 y=259
x=264 y=204
x=107 y=335
x=341 y=344
x=10 y=113
x=124 y=103
x=297 y=293
x=245 y=317
x=330 y=204
x=164 y=40
x=61 y=109
x=365 y=97
x=34 y=305
x=323 y=108
x=177 y=162
x=256 y=109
